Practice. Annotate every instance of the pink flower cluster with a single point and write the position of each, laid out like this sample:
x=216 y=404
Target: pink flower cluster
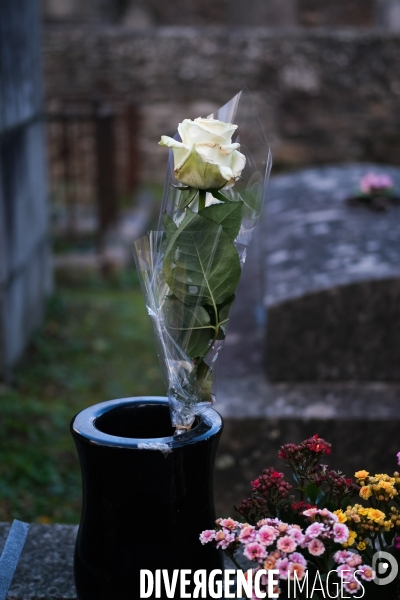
x=270 y=543
x=351 y=569
x=372 y=183
x=274 y=544
x=325 y=527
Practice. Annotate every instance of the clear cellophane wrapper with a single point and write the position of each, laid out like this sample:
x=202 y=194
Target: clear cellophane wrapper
x=189 y=280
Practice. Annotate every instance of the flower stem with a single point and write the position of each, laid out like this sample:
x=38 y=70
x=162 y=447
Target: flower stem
x=202 y=199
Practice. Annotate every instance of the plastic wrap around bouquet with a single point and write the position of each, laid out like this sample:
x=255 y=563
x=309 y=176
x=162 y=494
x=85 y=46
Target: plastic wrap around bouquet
x=190 y=268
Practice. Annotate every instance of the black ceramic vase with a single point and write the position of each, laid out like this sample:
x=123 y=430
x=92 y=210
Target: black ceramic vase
x=146 y=495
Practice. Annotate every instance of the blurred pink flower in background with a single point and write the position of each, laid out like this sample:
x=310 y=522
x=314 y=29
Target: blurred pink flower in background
x=373 y=182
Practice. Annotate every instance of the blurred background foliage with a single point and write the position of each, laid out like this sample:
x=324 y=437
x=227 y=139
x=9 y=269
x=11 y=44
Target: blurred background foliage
x=95 y=345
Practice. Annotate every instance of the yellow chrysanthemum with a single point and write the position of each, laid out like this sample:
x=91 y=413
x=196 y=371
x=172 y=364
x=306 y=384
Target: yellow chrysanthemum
x=360 y=510
x=361 y=474
x=376 y=515
x=361 y=546
x=365 y=492
x=387 y=486
x=341 y=516
x=352 y=537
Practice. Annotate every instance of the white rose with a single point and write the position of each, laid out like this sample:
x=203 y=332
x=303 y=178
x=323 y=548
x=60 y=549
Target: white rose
x=205 y=159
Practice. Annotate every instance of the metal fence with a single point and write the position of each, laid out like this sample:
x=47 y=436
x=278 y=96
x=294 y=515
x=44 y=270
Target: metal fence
x=92 y=164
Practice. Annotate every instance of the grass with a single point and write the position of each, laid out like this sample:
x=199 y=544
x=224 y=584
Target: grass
x=95 y=345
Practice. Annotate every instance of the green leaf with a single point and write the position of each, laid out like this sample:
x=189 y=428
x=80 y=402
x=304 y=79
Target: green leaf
x=219 y=196
x=223 y=314
x=169 y=224
x=191 y=196
x=189 y=326
x=345 y=502
x=201 y=264
x=312 y=491
x=229 y=216
x=188 y=218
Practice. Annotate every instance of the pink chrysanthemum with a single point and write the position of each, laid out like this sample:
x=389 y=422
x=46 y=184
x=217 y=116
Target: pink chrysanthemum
x=296 y=557
x=352 y=586
x=297 y=568
x=247 y=534
x=354 y=560
x=328 y=515
x=286 y=544
x=340 y=533
x=314 y=530
x=310 y=512
x=223 y=539
x=345 y=572
x=375 y=182
x=282 y=564
x=229 y=524
x=342 y=556
x=267 y=535
x=254 y=551
x=316 y=547
x=398 y=458
x=207 y=536
x=366 y=572
x=296 y=534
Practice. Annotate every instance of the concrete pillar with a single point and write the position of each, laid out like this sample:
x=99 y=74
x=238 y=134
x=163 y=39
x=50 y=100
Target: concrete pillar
x=25 y=274
x=388 y=14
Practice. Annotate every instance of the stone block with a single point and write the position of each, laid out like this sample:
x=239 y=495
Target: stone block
x=388 y=14
x=23 y=302
x=333 y=279
x=45 y=569
x=24 y=194
x=20 y=76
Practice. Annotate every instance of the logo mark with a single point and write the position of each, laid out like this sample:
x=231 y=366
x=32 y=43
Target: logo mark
x=381 y=561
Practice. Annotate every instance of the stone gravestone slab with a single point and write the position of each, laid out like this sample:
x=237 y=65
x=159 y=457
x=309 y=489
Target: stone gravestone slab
x=45 y=569
x=333 y=279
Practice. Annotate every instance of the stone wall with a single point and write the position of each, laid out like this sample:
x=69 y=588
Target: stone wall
x=356 y=13
x=24 y=257
x=194 y=13
x=323 y=96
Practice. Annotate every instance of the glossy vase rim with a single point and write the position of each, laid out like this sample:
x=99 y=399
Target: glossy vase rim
x=209 y=422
